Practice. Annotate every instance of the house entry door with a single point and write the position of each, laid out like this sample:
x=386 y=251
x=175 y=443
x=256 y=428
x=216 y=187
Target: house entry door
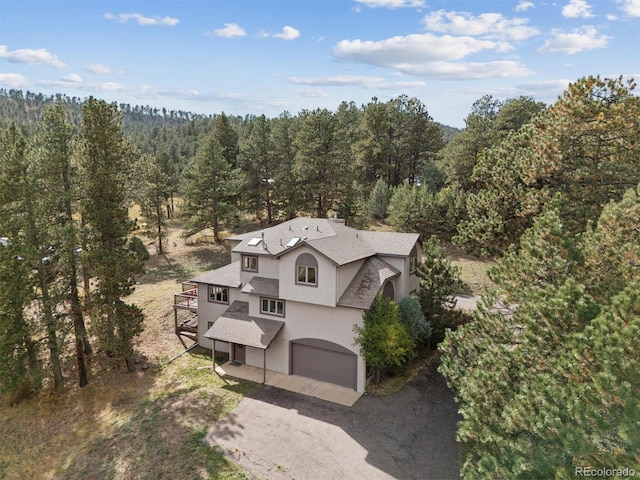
x=238 y=353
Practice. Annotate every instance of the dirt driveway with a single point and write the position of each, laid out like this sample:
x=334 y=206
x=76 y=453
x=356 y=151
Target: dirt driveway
x=276 y=434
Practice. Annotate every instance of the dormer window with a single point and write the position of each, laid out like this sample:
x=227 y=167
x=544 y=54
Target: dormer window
x=307 y=270
x=249 y=263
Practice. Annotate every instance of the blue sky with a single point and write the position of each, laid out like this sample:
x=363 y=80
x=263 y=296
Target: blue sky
x=270 y=56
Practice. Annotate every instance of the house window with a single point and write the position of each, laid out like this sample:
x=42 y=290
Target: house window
x=307 y=270
x=272 y=306
x=413 y=260
x=218 y=294
x=307 y=275
x=249 y=263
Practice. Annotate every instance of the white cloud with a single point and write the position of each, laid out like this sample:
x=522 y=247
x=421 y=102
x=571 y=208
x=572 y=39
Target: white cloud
x=230 y=30
x=67 y=82
x=13 y=80
x=354 y=81
x=391 y=3
x=72 y=77
x=523 y=6
x=580 y=39
x=413 y=49
x=100 y=69
x=630 y=7
x=557 y=86
x=30 y=56
x=312 y=93
x=467 y=70
x=577 y=9
x=288 y=33
x=611 y=17
x=489 y=25
x=142 y=20
x=430 y=56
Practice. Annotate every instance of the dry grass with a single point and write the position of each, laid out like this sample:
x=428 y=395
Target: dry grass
x=145 y=425
x=473 y=270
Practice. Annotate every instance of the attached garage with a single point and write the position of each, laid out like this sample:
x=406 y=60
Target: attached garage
x=324 y=361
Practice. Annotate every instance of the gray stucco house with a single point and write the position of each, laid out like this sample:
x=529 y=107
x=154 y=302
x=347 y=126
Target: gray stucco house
x=292 y=293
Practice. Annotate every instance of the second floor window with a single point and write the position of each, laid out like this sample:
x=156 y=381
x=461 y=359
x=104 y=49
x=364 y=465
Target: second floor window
x=249 y=263
x=307 y=275
x=307 y=270
x=218 y=294
x=272 y=306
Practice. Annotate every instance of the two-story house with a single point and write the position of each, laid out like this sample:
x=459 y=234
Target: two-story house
x=290 y=297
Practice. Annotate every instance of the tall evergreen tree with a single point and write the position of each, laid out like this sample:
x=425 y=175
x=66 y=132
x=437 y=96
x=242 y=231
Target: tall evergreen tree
x=289 y=196
x=106 y=159
x=546 y=384
x=316 y=164
x=439 y=280
x=59 y=196
x=20 y=368
x=259 y=164
x=211 y=188
x=583 y=148
x=153 y=191
x=227 y=136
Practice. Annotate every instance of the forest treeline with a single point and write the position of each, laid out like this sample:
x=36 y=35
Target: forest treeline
x=548 y=190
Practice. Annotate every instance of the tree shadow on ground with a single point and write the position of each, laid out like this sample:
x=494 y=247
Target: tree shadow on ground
x=158 y=437
x=409 y=434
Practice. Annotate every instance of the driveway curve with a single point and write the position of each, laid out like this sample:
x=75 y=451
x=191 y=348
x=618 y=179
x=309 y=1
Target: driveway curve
x=276 y=434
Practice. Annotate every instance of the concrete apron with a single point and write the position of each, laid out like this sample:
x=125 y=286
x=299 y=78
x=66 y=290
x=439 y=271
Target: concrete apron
x=293 y=383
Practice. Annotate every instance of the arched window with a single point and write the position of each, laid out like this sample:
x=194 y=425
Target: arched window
x=306 y=270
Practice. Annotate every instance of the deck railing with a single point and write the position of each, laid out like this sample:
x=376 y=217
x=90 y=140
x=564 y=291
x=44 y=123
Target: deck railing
x=188 y=297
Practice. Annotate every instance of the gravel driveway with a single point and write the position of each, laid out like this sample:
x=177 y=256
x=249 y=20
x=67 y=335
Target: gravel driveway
x=276 y=434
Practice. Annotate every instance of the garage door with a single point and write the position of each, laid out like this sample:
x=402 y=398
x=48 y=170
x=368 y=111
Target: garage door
x=325 y=361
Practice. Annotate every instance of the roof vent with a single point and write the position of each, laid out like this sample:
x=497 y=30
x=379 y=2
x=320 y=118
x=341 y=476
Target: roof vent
x=293 y=241
x=254 y=241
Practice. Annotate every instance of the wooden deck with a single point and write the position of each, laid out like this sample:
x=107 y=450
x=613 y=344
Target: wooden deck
x=187 y=299
x=185 y=311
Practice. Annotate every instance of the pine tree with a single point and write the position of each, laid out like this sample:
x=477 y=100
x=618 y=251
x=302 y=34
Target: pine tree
x=106 y=160
x=20 y=368
x=154 y=189
x=210 y=189
x=379 y=198
x=316 y=167
x=547 y=383
x=259 y=165
x=583 y=148
x=438 y=281
x=59 y=196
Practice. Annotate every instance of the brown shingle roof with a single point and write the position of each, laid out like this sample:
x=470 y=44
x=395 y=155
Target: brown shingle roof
x=269 y=287
x=228 y=276
x=236 y=326
x=367 y=283
x=339 y=243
